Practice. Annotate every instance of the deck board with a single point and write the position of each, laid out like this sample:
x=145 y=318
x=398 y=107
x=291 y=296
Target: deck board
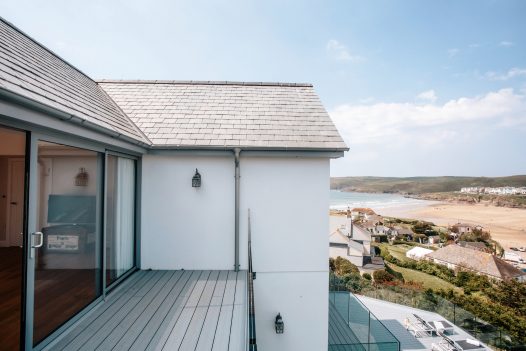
x=165 y=310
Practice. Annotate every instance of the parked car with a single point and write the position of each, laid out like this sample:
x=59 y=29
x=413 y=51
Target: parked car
x=522 y=249
x=514 y=249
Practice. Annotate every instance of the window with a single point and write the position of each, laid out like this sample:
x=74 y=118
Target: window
x=120 y=217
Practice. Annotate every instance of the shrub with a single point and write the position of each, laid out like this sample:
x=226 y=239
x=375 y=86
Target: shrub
x=382 y=276
x=343 y=267
x=367 y=276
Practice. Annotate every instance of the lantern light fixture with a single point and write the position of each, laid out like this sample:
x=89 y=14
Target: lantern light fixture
x=196 y=180
x=279 y=325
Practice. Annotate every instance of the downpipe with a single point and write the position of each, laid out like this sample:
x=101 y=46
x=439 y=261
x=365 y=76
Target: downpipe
x=237 y=152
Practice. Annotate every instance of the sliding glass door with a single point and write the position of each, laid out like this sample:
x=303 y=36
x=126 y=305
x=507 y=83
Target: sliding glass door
x=81 y=220
x=67 y=242
x=120 y=216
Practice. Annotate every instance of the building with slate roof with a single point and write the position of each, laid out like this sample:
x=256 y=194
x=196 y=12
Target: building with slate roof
x=462 y=258
x=136 y=201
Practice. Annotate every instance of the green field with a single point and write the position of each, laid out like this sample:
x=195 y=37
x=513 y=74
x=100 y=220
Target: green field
x=419 y=185
x=428 y=281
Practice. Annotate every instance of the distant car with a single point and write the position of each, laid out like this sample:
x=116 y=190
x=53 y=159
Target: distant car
x=514 y=249
x=522 y=249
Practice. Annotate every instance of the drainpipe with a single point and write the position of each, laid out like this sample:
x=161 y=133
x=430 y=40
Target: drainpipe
x=237 y=151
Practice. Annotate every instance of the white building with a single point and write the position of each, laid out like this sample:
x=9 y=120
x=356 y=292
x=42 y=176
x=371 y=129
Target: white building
x=352 y=242
x=124 y=177
x=417 y=253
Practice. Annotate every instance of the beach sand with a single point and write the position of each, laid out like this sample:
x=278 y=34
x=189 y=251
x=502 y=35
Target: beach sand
x=506 y=225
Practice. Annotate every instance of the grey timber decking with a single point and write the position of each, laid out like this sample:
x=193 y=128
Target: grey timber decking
x=166 y=310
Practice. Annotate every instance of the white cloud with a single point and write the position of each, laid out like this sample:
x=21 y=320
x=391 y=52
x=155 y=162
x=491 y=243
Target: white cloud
x=452 y=52
x=506 y=43
x=391 y=124
x=512 y=73
x=474 y=45
x=428 y=95
x=341 y=53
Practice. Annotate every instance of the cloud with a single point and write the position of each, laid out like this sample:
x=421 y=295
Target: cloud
x=397 y=124
x=452 y=52
x=506 y=43
x=428 y=95
x=341 y=53
x=512 y=73
x=474 y=45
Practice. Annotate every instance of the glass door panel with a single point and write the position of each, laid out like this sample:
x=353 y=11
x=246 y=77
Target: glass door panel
x=120 y=216
x=67 y=258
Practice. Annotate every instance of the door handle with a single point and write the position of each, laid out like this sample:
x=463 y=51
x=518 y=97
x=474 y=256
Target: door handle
x=14 y=203
x=40 y=241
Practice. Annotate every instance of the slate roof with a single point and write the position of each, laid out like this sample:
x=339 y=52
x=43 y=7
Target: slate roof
x=477 y=261
x=190 y=114
x=32 y=71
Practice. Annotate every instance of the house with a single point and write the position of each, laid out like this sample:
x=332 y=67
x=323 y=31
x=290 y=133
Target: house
x=457 y=257
x=417 y=253
x=401 y=233
x=359 y=213
x=135 y=200
x=462 y=228
x=351 y=242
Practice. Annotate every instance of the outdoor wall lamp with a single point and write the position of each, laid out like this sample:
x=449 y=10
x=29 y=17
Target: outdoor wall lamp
x=280 y=326
x=196 y=180
x=81 y=179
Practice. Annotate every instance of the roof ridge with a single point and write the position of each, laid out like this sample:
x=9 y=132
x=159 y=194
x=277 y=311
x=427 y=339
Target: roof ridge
x=44 y=47
x=202 y=82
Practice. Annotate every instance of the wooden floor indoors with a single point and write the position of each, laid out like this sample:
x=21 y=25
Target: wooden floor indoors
x=10 y=297
x=165 y=310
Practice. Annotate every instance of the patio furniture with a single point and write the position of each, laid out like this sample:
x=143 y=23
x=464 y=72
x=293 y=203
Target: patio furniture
x=446 y=344
x=442 y=326
x=419 y=327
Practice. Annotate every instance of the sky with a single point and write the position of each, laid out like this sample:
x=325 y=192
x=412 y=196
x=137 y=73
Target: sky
x=416 y=88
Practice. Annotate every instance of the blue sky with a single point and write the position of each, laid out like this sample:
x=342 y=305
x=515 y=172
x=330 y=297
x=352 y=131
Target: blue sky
x=415 y=87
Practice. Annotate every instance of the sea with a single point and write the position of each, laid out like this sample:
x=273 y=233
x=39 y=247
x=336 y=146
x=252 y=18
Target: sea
x=379 y=202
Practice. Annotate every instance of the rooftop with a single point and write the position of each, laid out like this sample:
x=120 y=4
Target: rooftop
x=30 y=70
x=475 y=260
x=190 y=114
x=167 y=114
x=393 y=316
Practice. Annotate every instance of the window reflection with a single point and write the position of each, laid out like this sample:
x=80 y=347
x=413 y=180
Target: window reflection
x=67 y=272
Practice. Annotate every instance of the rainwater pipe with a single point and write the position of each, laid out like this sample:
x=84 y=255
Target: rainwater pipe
x=237 y=152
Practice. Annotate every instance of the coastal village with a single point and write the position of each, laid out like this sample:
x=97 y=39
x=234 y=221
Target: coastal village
x=362 y=233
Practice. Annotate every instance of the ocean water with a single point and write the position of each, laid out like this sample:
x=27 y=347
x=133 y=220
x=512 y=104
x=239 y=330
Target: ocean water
x=340 y=200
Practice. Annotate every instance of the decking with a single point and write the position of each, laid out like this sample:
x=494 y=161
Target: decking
x=166 y=310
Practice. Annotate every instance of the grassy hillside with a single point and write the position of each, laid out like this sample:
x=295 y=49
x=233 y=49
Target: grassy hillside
x=419 y=185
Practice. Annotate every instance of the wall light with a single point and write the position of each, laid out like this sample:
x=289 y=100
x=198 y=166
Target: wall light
x=280 y=326
x=196 y=180
x=81 y=179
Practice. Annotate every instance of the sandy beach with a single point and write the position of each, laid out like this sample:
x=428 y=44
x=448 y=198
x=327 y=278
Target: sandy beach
x=506 y=225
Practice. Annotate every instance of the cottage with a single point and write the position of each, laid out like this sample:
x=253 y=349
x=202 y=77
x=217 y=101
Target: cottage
x=135 y=201
x=354 y=245
x=460 y=258
x=402 y=233
x=462 y=228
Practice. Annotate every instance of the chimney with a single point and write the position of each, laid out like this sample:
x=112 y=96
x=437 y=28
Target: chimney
x=349 y=223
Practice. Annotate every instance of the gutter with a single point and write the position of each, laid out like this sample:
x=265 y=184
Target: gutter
x=66 y=117
x=237 y=152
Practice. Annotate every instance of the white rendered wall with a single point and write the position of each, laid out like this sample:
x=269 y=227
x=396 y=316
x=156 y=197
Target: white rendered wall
x=289 y=202
x=182 y=227
x=185 y=227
